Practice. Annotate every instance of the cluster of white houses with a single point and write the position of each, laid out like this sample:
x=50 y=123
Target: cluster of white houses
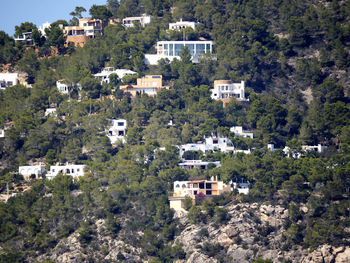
x=39 y=171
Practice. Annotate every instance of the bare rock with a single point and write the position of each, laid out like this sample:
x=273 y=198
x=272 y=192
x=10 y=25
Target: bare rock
x=197 y=257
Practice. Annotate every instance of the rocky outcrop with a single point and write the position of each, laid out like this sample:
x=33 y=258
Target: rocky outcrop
x=253 y=231
x=328 y=254
x=102 y=248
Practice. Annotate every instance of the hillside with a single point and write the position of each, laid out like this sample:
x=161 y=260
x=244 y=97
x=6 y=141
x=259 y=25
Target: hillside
x=292 y=60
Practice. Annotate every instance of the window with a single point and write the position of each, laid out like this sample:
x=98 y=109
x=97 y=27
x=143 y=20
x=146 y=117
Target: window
x=120 y=124
x=120 y=133
x=183 y=186
x=166 y=49
x=178 y=48
x=78 y=170
x=208 y=185
x=200 y=49
x=208 y=47
x=208 y=192
x=191 y=48
x=171 y=46
x=195 y=192
x=201 y=185
x=177 y=186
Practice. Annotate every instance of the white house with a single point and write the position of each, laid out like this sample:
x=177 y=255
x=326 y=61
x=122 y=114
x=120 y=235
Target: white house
x=172 y=49
x=225 y=89
x=222 y=144
x=238 y=131
x=43 y=27
x=74 y=170
x=317 y=148
x=50 y=112
x=8 y=79
x=2 y=133
x=62 y=87
x=242 y=188
x=103 y=76
x=191 y=164
x=143 y=20
x=182 y=24
x=25 y=37
x=271 y=147
x=117 y=130
x=32 y=172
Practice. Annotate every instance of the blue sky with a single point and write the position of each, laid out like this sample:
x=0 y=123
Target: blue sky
x=14 y=12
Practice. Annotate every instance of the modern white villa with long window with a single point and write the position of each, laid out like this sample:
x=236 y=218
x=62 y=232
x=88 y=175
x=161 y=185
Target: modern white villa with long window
x=172 y=49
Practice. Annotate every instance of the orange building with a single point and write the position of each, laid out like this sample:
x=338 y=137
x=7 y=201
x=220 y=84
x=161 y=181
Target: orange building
x=149 y=84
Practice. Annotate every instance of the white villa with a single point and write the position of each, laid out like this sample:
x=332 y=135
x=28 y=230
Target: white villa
x=304 y=149
x=182 y=24
x=62 y=87
x=143 y=20
x=242 y=187
x=8 y=80
x=239 y=132
x=50 y=112
x=43 y=27
x=117 y=130
x=32 y=172
x=103 y=76
x=224 y=90
x=222 y=144
x=74 y=170
x=172 y=49
x=192 y=164
x=25 y=37
x=2 y=133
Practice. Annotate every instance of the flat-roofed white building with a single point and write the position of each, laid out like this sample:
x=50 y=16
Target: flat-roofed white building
x=182 y=24
x=117 y=130
x=62 y=87
x=172 y=49
x=32 y=171
x=225 y=90
x=239 y=132
x=143 y=20
x=50 y=112
x=242 y=188
x=222 y=144
x=103 y=76
x=43 y=27
x=74 y=170
x=199 y=164
x=8 y=80
x=25 y=37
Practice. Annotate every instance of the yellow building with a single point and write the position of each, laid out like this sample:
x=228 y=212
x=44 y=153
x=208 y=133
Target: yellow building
x=196 y=190
x=149 y=84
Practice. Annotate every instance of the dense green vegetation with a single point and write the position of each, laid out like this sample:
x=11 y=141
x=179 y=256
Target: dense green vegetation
x=280 y=48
